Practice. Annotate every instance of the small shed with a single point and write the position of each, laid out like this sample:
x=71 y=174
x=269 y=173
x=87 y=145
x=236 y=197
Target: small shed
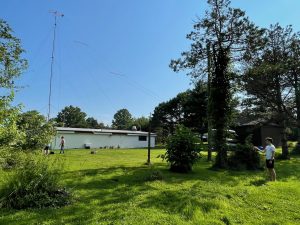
x=260 y=129
x=101 y=138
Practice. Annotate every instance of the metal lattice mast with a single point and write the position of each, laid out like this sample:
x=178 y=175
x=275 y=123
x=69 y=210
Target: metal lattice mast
x=56 y=14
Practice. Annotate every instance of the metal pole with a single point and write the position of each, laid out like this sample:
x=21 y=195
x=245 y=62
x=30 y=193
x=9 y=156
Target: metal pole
x=149 y=141
x=52 y=61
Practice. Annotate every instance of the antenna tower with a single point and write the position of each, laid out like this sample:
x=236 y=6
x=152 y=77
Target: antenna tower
x=56 y=14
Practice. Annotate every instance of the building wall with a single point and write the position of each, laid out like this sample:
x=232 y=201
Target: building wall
x=260 y=134
x=273 y=132
x=78 y=140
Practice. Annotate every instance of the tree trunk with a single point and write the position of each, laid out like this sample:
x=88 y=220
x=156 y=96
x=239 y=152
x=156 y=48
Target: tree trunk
x=285 y=150
x=209 y=107
x=209 y=140
x=283 y=119
x=220 y=104
x=297 y=93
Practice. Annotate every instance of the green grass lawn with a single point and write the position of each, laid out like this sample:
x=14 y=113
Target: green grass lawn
x=112 y=187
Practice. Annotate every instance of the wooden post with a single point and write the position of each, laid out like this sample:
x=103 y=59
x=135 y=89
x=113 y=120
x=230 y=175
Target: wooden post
x=149 y=142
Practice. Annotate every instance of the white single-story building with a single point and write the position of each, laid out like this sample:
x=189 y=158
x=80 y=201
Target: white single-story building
x=101 y=138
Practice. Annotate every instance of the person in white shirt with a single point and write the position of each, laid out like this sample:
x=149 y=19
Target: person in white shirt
x=270 y=156
x=62 y=145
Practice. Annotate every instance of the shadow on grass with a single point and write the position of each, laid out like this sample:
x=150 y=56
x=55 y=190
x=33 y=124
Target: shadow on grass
x=287 y=169
x=103 y=194
x=259 y=182
x=185 y=202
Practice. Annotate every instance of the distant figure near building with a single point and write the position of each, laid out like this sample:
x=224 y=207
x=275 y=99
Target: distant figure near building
x=46 y=149
x=62 y=145
x=270 y=157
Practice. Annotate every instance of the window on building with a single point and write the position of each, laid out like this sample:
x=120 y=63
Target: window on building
x=142 y=138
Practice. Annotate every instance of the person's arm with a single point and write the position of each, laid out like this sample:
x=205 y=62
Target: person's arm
x=257 y=149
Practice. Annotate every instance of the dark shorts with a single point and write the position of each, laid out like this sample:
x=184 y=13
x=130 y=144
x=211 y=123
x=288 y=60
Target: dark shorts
x=270 y=163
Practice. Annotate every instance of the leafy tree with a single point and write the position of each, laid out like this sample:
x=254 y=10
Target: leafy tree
x=72 y=116
x=250 y=112
x=294 y=79
x=11 y=62
x=223 y=36
x=169 y=114
x=187 y=108
x=122 y=120
x=266 y=79
x=195 y=108
x=142 y=123
x=10 y=135
x=38 y=132
x=93 y=123
x=11 y=66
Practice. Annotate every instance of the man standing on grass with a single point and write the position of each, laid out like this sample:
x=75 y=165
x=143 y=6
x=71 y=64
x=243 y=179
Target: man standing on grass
x=270 y=156
x=62 y=145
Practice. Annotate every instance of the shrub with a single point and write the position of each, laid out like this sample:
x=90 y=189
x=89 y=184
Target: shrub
x=182 y=150
x=10 y=158
x=296 y=150
x=244 y=157
x=38 y=132
x=10 y=135
x=34 y=184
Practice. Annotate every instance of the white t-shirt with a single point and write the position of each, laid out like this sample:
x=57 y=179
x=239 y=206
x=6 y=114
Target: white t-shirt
x=269 y=150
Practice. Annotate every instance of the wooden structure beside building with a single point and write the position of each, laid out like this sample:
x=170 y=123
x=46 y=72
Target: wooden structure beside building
x=259 y=130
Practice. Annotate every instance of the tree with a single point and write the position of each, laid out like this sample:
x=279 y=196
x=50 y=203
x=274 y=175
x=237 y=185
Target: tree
x=93 y=123
x=11 y=62
x=38 y=132
x=142 y=123
x=11 y=66
x=187 y=108
x=229 y=34
x=122 y=120
x=294 y=78
x=72 y=116
x=10 y=135
x=266 y=79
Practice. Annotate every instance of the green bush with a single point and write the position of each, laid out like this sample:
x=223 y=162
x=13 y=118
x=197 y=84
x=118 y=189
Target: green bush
x=182 y=150
x=10 y=158
x=244 y=157
x=38 y=132
x=10 y=135
x=296 y=150
x=34 y=184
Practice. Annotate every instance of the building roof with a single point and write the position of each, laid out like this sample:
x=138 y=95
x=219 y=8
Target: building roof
x=102 y=131
x=260 y=122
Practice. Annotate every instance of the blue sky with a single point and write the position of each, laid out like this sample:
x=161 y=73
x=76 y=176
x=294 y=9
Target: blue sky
x=113 y=54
